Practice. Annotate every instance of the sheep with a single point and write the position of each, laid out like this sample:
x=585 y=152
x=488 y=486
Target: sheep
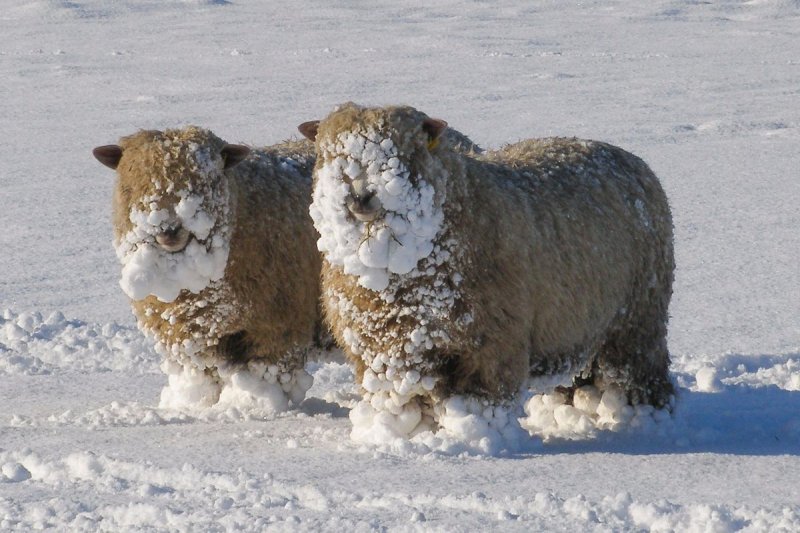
x=453 y=274
x=219 y=262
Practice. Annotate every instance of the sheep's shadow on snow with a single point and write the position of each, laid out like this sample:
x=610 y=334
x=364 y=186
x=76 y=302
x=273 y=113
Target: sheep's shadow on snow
x=317 y=406
x=738 y=420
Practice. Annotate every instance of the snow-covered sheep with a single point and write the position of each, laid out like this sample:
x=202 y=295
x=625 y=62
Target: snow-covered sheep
x=219 y=260
x=449 y=278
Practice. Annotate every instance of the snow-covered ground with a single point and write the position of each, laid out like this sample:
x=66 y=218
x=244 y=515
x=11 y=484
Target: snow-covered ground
x=707 y=93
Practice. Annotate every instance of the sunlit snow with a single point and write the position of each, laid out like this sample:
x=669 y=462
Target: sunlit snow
x=705 y=92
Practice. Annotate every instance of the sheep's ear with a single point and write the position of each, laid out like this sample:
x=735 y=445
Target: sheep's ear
x=309 y=129
x=434 y=127
x=233 y=154
x=109 y=155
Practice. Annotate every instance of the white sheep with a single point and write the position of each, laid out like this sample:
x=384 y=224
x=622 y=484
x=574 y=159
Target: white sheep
x=460 y=275
x=219 y=260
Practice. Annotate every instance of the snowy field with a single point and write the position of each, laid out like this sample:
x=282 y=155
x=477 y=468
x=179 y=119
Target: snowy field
x=708 y=93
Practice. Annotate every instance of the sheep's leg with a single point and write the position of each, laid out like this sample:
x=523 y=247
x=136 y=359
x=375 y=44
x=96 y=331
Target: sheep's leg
x=261 y=385
x=474 y=398
x=189 y=387
x=638 y=361
x=480 y=424
x=480 y=398
x=323 y=338
x=496 y=372
x=487 y=425
x=651 y=383
x=235 y=348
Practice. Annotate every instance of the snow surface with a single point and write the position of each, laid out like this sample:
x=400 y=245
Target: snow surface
x=706 y=93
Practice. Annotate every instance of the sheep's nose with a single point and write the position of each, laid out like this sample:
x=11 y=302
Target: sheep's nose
x=364 y=199
x=362 y=202
x=364 y=207
x=173 y=239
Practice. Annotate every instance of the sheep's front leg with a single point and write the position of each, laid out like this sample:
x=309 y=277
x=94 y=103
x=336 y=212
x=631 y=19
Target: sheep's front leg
x=483 y=425
x=263 y=387
x=411 y=407
x=189 y=386
x=396 y=404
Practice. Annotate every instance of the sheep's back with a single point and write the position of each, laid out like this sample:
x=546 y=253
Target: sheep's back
x=573 y=235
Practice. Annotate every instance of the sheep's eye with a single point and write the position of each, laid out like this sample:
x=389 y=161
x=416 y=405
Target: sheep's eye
x=347 y=179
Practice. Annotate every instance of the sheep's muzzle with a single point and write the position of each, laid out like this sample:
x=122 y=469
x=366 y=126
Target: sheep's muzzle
x=174 y=239
x=361 y=202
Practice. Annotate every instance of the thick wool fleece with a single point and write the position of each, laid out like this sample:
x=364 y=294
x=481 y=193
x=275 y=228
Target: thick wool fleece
x=263 y=303
x=549 y=256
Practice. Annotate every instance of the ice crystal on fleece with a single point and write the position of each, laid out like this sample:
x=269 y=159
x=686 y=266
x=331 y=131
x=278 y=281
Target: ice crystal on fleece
x=147 y=268
x=191 y=325
x=422 y=303
x=411 y=218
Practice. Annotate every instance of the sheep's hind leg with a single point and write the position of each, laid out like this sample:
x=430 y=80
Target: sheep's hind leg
x=638 y=362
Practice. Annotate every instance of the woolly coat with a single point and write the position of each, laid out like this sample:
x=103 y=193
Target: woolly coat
x=266 y=304
x=555 y=256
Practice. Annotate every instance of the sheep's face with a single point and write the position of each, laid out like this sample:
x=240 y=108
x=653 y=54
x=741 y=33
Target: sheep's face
x=378 y=191
x=171 y=211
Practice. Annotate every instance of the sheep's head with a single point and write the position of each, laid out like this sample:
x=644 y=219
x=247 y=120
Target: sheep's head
x=171 y=209
x=378 y=189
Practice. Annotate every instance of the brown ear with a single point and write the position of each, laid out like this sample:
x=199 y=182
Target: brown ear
x=233 y=154
x=309 y=129
x=109 y=155
x=434 y=127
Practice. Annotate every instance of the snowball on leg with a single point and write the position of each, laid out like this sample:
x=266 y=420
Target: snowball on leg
x=484 y=426
x=189 y=388
x=378 y=426
x=263 y=389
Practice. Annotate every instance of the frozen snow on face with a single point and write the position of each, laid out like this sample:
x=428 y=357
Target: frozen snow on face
x=405 y=229
x=147 y=268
